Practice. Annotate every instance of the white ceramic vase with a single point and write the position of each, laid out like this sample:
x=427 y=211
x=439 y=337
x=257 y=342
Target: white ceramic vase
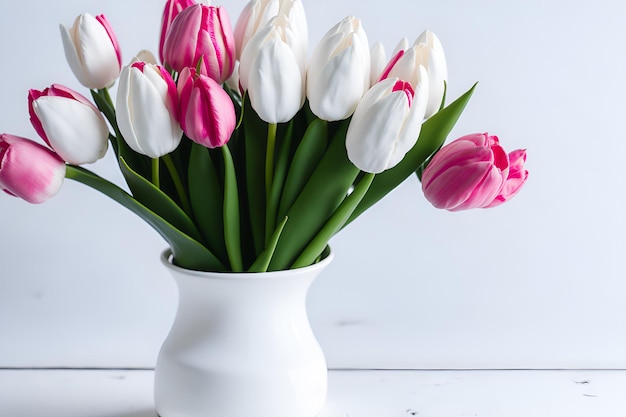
x=241 y=346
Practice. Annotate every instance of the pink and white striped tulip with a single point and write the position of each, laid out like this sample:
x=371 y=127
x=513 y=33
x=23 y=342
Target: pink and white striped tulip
x=201 y=34
x=515 y=180
x=386 y=124
x=469 y=172
x=428 y=53
x=272 y=70
x=29 y=170
x=69 y=123
x=92 y=51
x=339 y=71
x=170 y=11
x=207 y=114
x=253 y=17
x=147 y=109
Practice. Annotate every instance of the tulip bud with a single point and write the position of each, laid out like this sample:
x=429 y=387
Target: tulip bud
x=272 y=70
x=92 y=51
x=378 y=61
x=171 y=10
x=207 y=114
x=470 y=172
x=147 y=106
x=428 y=53
x=29 y=170
x=339 y=71
x=201 y=34
x=516 y=178
x=69 y=123
x=253 y=17
x=386 y=123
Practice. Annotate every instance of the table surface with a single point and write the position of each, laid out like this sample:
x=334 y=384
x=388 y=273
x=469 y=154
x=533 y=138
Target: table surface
x=352 y=393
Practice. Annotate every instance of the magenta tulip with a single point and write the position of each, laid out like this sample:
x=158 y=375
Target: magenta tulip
x=470 y=172
x=29 y=170
x=207 y=114
x=516 y=179
x=202 y=35
x=171 y=10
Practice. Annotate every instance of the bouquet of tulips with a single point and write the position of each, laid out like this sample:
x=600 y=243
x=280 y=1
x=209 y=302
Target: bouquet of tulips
x=240 y=149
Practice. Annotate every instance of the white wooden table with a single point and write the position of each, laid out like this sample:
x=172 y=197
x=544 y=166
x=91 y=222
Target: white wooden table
x=352 y=393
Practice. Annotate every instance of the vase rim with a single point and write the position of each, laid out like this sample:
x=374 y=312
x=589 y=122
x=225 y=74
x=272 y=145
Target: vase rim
x=166 y=257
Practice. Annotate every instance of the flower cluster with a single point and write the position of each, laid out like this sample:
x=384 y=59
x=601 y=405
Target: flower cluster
x=242 y=151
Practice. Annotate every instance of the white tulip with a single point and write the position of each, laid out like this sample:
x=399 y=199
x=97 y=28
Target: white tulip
x=339 y=71
x=386 y=123
x=69 y=123
x=253 y=17
x=92 y=51
x=272 y=71
x=147 y=110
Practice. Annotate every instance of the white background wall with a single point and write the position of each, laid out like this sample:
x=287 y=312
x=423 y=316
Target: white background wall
x=538 y=282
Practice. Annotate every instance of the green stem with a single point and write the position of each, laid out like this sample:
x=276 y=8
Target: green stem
x=178 y=183
x=269 y=158
x=155 y=173
x=269 y=177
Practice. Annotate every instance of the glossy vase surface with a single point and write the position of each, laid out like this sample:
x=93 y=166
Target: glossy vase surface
x=241 y=346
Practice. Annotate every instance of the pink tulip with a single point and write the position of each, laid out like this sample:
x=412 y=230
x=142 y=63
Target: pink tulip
x=201 y=34
x=516 y=179
x=470 y=172
x=171 y=10
x=29 y=170
x=207 y=114
x=69 y=123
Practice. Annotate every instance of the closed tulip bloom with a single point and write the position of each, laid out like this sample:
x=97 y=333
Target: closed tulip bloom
x=92 y=51
x=386 y=124
x=253 y=17
x=201 y=34
x=469 y=172
x=339 y=71
x=273 y=73
x=515 y=180
x=428 y=53
x=207 y=114
x=69 y=123
x=147 y=115
x=29 y=170
x=170 y=11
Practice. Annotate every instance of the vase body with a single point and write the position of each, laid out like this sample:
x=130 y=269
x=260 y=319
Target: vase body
x=241 y=346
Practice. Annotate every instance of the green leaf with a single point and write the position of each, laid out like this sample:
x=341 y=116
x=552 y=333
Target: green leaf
x=433 y=134
x=305 y=160
x=207 y=201
x=149 y=195
x=232 y=228
x=188 y=252
x=255 y=133
x=263 y=261
x=324 y=191
x=334 y=224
